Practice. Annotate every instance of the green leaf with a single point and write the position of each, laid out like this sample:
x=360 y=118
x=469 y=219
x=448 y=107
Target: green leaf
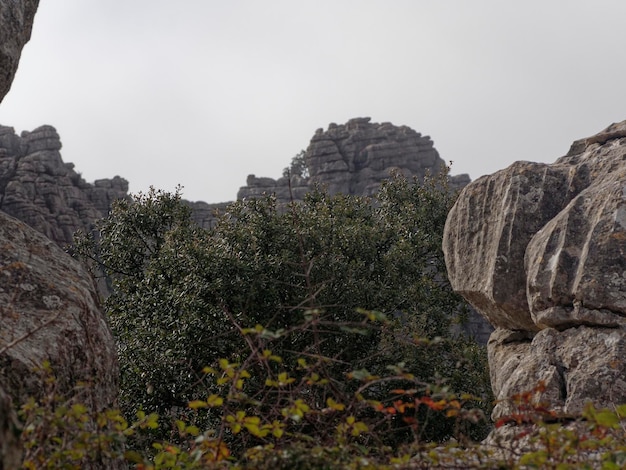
x=607 y=418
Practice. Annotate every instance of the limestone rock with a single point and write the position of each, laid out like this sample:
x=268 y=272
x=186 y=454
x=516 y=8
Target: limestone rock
x=354 y=158
x=37 y=187
x=540 y=251
x=50 y=312
x=16 y=22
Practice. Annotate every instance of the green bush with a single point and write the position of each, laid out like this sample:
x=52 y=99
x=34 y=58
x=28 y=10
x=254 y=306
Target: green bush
x=316 y=335
x=181 y=295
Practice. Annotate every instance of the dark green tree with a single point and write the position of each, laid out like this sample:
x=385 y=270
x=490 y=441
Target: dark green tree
x=298 y=166
x=183 y=295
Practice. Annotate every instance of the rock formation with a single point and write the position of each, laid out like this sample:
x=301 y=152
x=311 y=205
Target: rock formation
x=47 y=194
x=49 y=309
x=16 y=23
x=49 y=312
x=540 y=251
x=354 y=158
x=37 y=187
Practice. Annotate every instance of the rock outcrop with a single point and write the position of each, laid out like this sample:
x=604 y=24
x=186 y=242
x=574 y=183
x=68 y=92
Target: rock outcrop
x=50 y=312
x=540 y=251
x=37 y=187
x=16 y=23
x=354 y=158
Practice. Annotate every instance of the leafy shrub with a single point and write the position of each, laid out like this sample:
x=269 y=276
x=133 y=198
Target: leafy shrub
x=183 y=296
x=63 y=434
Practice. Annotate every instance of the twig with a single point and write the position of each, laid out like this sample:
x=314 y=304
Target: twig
x=29 y=333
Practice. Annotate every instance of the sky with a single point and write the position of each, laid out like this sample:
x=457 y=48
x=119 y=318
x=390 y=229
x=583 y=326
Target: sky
x=202 y=93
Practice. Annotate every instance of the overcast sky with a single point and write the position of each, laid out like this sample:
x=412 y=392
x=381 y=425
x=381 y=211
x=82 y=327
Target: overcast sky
x=204 y=92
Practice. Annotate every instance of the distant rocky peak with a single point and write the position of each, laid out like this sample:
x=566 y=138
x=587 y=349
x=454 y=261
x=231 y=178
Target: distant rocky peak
x=37 y=187
x=354 y=158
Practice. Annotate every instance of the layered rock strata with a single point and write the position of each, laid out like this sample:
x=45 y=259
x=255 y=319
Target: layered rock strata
x=37 y=187
x=49 y=313
x=540 y=251
x=354 y=158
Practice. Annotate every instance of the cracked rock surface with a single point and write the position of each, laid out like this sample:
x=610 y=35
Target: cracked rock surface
x=540 y=251
x=354 y=158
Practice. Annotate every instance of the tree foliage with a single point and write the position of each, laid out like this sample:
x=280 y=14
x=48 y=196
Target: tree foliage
x=294 y=278
x=298 y=166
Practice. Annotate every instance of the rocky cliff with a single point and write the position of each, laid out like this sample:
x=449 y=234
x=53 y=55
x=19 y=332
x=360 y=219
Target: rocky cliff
x=16 y=21
x=354 y=158
x=540 y=251
x=37 y=187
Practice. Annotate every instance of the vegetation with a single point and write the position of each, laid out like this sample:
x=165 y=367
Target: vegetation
x=298 y=166
x=315 y=335
x=60 y=433
x=290 y=278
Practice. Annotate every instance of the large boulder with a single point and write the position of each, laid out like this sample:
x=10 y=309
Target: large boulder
x=49 y=314
x=16 y=23
x=540 y=251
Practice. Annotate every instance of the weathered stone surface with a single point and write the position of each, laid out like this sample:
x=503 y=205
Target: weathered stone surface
x=50 y=312
x=37 y=187
x=16 y=22
x=540 y=251
x=354 y=158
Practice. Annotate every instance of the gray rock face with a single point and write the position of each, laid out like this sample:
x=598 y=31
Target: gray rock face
x=37 y=187
x=50 y=311
x=16 y=22
x=354 y=158
x=540 y=251
x=47 y=194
